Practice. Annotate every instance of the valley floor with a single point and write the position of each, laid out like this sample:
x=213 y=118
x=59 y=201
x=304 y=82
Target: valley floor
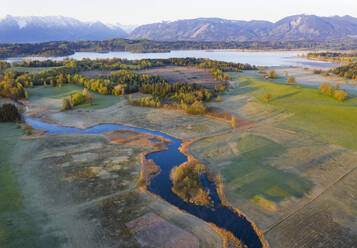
x=292 y=172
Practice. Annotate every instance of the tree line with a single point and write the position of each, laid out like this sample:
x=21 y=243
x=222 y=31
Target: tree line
x=332 y=56
x=346 y=71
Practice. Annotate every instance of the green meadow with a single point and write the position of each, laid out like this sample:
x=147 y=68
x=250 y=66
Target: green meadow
x=248 y=175
x=19 y=226
x=312 y=112
x=45 y=95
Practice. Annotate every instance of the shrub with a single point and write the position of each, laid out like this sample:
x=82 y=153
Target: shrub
x=218 y=99
x=324 y=87
x=272 y=74
x=77 y=99
x=220 y=87
x=268 y=97
x=298 y=86
x=66 y=104
x=291 y=80
x=197 y=108
x=340 y=95
x=28 y=130
x=9 y=113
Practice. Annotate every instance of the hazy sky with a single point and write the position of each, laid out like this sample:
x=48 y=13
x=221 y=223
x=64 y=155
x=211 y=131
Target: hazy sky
x=148 y=11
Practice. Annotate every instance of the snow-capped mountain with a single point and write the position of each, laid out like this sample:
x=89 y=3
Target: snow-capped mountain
x=53 y=28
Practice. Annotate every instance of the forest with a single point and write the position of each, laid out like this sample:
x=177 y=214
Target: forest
x=65 y=48
x=122 y=79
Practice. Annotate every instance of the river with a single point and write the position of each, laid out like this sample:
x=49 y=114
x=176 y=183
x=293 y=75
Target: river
x=222 y=216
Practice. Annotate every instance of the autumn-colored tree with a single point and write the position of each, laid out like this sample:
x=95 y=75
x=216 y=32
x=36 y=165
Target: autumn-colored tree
x=324 y=87
x=340 y=95
x=233 y=122
x=272 y=74
x=330 y=91
x=291 y=80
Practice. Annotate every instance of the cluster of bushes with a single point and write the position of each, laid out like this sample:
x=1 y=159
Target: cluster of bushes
x=329 y=90
x=346 y=71
x=291 y=80
x=219 y=75
x=146 y=102
x=187 y=185
x=196 y=108
x=9 y=113
x=77 y=99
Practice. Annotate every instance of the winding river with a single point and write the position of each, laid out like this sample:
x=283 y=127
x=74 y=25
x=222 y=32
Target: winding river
x=222 y=216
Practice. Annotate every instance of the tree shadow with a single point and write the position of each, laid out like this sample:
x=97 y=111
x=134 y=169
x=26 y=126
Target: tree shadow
x=286 y=95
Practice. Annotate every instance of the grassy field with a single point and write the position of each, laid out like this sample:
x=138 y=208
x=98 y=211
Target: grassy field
x=246 y=172
x=28 y=69
x=245 y=164
x=19 y=227
x=293 y=169
x=312 y=112
x=54 y=96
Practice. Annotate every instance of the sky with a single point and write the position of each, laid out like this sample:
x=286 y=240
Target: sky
x=137 y=12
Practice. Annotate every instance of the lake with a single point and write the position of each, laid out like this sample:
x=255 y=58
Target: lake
x=279 y=58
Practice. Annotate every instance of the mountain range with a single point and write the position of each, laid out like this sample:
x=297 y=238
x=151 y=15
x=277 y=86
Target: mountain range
x=54 y=28
x=292 y=28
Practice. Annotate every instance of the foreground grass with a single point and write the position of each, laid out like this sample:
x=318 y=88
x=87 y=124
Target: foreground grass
x=312 y=112
x=19 y=227
x=41 y=94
